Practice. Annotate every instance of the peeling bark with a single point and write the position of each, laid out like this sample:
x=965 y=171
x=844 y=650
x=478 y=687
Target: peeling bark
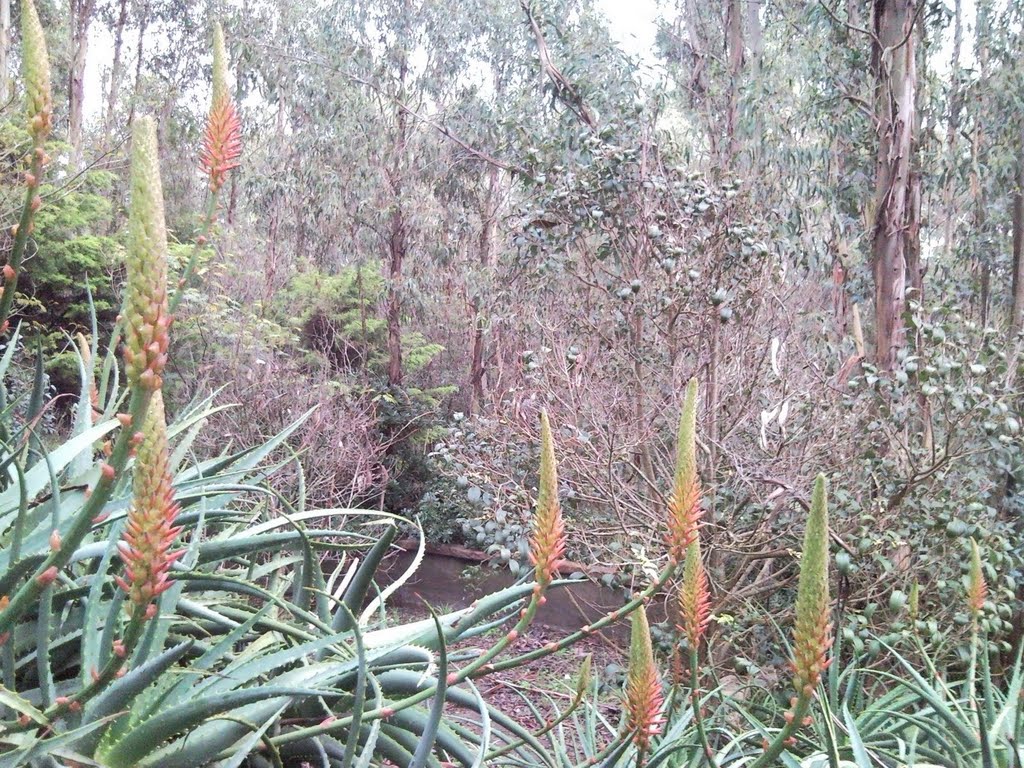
x=81 y=19
x=397 y=247
x=1017 y=315
x=894 y=68
x=115 y=69
x=489 y=218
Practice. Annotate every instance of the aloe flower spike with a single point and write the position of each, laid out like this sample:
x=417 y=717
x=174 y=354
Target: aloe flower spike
x=147 y=319
x=694 y=615
x=222 y=144
x=977 y=589
x=812 y=631
x=145 y=546
x=35 y=68
x=684 y=510
x=547 y=543
x=644 y=696
x=694 y=597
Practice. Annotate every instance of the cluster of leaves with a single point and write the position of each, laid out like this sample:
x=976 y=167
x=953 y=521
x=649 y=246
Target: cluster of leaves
x=73 y=260
x=940 y=467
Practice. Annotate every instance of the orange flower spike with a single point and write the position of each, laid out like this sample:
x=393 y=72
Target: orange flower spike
x=146 y=317
x=644 y=696
x=145 y=546
x=694 y=597
x=684 y=509
x=547 y=542
x=977 y=589
x=812 y=631
x=35 y=70
x=222 y=143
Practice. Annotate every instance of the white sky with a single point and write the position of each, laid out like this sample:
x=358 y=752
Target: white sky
x=632 y=24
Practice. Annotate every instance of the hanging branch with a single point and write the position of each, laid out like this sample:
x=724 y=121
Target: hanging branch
x=564 y=91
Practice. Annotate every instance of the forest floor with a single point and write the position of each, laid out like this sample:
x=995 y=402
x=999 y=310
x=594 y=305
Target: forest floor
x=556 y=675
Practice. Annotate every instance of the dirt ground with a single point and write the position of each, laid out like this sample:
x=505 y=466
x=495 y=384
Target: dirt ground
x=555 y=674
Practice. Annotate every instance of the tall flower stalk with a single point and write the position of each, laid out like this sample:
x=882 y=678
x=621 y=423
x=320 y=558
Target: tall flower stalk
x=35 y=68
x=66 y=540
x=150 y=529
x=977 y=591
x=812 y=630
x=644 y=696
x=147 y=319
x=694 y=616
x=684 y=511
x=682 y=523
x=222 y=142
x=547 y=548
x=547 y=540
x=147 y=322
x=149 y=532
x=220 y=154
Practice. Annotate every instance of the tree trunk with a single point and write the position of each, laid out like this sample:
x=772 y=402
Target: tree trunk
x=734 y=43
x=489 y=216
x=894 y=69
x=915 y=264
x=982 y=259
x=952 y=128
x=397 y=247
x=140 y=51
x=81 y=18
x=5 y=49
x=754 y=33
x=1017 y=315
x=115 y=70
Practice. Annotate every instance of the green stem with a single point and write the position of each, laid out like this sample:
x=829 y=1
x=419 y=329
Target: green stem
x=698 y=717
x=600 y=624
x=209 y=219
x=21 y=237
x=779 y=744
x=972 y=667
x=29 y=592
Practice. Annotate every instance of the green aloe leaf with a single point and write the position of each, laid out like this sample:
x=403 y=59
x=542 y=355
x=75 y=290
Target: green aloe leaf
x=131 y=749
x=426 y=742
x=355 y=594
x=246 y=745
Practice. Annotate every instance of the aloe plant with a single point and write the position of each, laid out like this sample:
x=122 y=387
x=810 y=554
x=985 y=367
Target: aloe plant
x=155 y=612
x=157 y=609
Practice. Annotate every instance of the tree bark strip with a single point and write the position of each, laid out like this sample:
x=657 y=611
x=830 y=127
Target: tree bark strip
x=894 y=68
x=81 y=19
